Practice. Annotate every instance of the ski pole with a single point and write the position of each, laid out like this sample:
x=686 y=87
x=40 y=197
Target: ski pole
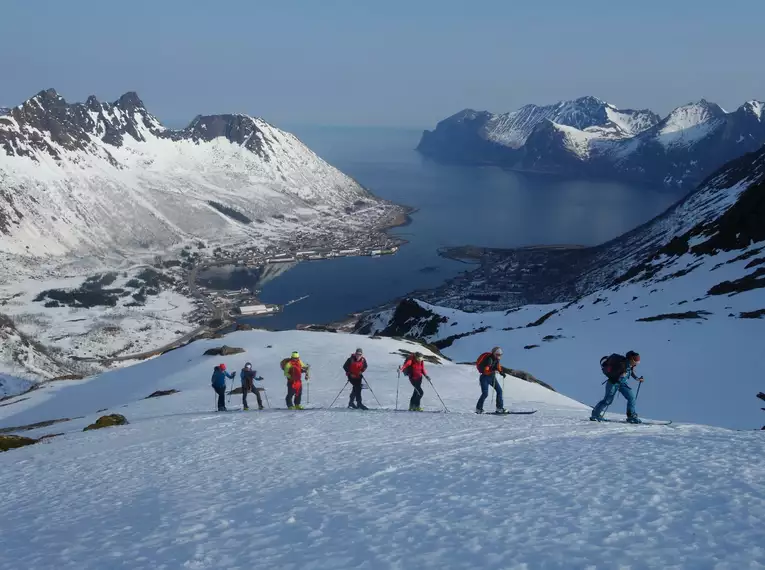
x=338 y=394
x=266 y=395
x=640 y=385
x=232 y=389
x=397 y=383
x=370 y=389
x=437 y=394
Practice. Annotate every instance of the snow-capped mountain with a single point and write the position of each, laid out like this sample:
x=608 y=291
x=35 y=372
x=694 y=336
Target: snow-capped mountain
x=686 y=289
x=91 y=177
x=590 y=138
x=182 y=486
x=4 y=111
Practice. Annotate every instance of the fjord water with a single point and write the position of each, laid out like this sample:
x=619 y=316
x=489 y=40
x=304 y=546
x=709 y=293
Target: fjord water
x=456 y=205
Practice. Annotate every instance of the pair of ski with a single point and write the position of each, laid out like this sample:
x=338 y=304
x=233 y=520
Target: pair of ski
x=642 y=422
x=508 y=413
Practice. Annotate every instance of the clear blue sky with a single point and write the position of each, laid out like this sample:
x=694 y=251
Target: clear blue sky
x=382 y=62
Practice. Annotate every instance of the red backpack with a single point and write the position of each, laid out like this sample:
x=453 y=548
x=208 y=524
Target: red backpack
x=480 y=359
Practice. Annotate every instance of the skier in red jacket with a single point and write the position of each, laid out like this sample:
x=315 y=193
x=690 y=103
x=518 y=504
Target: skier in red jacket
x=414 y=369
x=354 y=369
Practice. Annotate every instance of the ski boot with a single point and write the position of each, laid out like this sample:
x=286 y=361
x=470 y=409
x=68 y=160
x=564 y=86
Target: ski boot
x=362 y=407
x=478 y=411
x=299 y=407
x=261 y=407
x=245 y=408
x=290 y=407
x=501 y=411
x=352 y=405
x=415 y=409
x=634 y=420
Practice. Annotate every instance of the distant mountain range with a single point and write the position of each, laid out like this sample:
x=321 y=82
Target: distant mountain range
x=588 y=137
x=93 y=177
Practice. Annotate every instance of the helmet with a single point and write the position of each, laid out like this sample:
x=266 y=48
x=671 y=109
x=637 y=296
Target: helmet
x=496 y=351
x=418 y=355
x=295 y=355
x=359 y=351
x=222 y=366
x=248 y=365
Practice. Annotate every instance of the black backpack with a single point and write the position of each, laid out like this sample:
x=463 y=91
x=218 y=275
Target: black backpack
x=613 y=366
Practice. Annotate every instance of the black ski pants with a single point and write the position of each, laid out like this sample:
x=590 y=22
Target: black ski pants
x=355 y=390
x=257 y=395
x=414 y=402
x=221 y=391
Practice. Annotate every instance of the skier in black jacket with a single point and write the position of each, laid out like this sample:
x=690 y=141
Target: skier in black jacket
x=248 y=378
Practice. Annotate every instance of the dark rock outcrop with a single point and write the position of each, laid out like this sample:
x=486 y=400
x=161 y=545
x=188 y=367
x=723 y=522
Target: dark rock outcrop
x=160 y=393
x=223 y=351
x=14 y=441
x=107 y=421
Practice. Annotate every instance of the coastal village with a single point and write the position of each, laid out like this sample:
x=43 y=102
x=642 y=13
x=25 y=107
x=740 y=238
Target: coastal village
x=229 y=305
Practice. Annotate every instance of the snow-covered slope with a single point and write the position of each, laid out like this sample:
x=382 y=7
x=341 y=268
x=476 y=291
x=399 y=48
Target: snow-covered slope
x=94 y=177
x=590 y=138
x=182 y=486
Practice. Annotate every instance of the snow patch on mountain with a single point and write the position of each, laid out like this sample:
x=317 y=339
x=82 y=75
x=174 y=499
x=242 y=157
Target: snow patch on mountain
x=690 y=123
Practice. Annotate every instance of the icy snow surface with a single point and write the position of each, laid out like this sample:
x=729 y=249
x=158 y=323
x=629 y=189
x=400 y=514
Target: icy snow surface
x=184 y=487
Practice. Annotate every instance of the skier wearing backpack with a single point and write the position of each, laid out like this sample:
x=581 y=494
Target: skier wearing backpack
x=414 y=369
x=354 y=369
x=488 y=365
x=294 y=368
x=618 y=369
x=248 y=377
x=218 y=382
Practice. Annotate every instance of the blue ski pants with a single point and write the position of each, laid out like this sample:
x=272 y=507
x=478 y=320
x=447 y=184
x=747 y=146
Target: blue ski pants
x=611 y=390
x=487 y=381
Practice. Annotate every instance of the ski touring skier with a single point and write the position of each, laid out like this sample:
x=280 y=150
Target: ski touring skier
x=488 y=365
x=218 y=382
x=354 y=369
x=414 y=369
x=248 y=377
x=294 y=368
x=618 y=370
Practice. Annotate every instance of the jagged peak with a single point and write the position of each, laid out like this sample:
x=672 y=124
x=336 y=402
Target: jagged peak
x=704 y=105
x=129 y=100
x=754 y=107
x=44 y=97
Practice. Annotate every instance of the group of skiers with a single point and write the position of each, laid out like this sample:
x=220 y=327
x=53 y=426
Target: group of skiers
x=617 y=368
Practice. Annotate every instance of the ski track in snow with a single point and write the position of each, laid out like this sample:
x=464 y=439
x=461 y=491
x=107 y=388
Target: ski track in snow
x=183 y=487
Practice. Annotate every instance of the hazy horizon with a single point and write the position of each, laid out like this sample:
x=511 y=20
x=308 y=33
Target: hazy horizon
x=398 y=64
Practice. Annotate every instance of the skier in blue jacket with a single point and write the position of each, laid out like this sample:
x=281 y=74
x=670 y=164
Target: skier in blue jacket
x=219 y=384
x=619 y=369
